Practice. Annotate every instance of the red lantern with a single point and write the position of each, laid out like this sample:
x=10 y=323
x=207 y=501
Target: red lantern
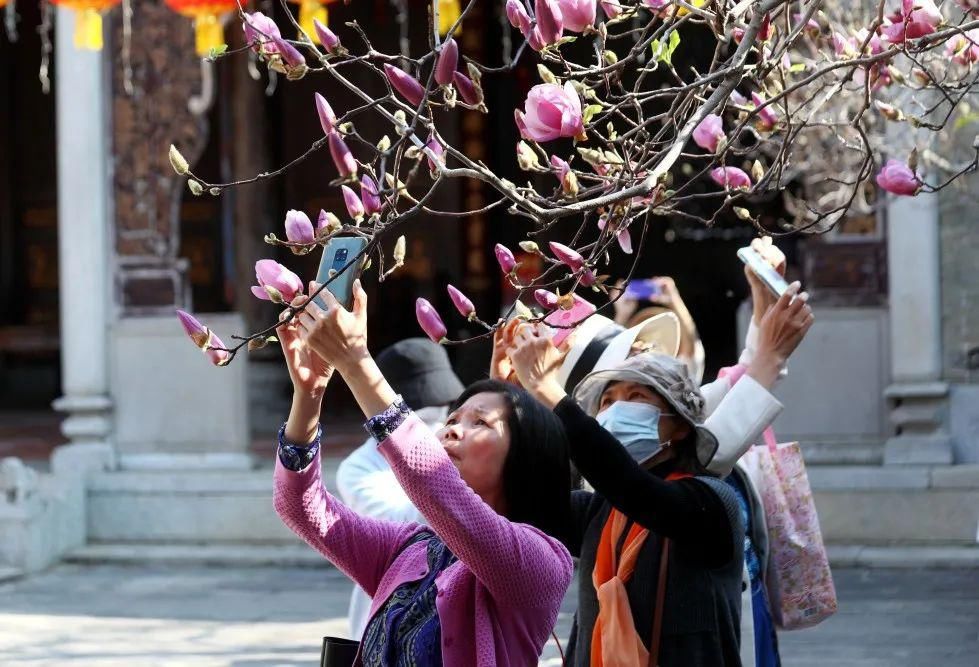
x=207 y=20
x=88 y=20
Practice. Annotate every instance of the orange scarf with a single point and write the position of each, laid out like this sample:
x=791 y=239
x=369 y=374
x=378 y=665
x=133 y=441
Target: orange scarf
x=614 y=640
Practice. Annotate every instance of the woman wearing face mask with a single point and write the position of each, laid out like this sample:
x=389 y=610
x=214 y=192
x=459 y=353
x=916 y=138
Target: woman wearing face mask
x=640 y=455
x=482 y=584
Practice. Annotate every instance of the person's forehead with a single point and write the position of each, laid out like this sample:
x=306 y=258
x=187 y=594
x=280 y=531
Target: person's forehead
x=625 y=386
x=486 y=403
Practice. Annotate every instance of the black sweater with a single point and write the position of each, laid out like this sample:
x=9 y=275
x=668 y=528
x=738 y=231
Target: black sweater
x=701 y=620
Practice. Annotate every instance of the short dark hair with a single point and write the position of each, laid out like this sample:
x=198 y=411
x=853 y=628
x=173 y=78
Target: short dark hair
x=537 y=469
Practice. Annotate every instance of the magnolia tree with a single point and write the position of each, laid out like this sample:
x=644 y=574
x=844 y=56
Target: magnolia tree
x=800 y=93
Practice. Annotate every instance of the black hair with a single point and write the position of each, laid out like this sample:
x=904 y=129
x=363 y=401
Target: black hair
x=537 y=470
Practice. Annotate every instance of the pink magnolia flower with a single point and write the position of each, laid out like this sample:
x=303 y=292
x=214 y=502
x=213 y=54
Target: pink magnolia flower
x=546 y=299
x=709 y=132
x=916 y=18
x=518 y=16
x=625 y=240
x=567 y=256
x=429 y=320
x=370 y=194
x=550 y=112
x=767 y=118
x=578 y=14
x=328 y=119
x=259 y=30
x=406 y=85
x=657 y=5
x=588 y=278
x=506 y=259
x=963 y=49
x=327 y=37
x=897 y=178
x=731 y=177
x=462 y=303
x=355 y=207
x=550 y=20
x=342 y=157
x=299 y=228
x=447 y=62
x=275 y=282
x=197 y=331
x=560 y=167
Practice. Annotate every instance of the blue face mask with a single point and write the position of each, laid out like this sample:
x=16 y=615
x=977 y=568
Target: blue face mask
x=636 y=426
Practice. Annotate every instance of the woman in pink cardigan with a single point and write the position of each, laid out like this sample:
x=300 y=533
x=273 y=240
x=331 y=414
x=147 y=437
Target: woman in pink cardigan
x=483 y=583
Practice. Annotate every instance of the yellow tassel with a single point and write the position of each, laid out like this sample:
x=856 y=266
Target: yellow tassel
x=208 y=33
x=449 y=11
x=88 y=30
x=309 y=10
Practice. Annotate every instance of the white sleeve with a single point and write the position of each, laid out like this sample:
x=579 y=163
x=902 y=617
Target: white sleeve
x=713 y=393
x=738 y=422
x=368 y=486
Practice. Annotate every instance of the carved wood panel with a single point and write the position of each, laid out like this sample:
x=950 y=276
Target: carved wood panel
x=146 y=118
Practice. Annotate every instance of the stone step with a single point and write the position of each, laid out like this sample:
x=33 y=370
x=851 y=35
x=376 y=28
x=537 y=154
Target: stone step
x=243 y=555
x=301 y=555
x=947 y=556
x=189 y=507
x=910 y=505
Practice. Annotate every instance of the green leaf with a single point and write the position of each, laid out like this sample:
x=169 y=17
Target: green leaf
x=590 y=112
x=796 y=68
x=664 y=52
x=966 y=119
x=217 y=51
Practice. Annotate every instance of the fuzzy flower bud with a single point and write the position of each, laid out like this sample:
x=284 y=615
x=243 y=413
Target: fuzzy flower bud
x=406 y=85
x=447 y=62
x=328 y=119
x=462 y=303
x=429 y=320
x=342 y=157
x=505 y=258
x=355 y=207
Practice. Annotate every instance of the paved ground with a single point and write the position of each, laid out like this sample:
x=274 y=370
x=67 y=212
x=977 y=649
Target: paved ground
x=197 y=616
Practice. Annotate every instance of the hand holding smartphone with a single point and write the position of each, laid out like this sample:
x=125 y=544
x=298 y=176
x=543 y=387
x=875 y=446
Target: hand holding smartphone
x=336 y=256
x=765 y=272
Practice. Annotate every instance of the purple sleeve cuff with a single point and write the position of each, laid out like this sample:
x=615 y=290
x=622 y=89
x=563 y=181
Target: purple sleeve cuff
x=381 y=426
x=298 y=457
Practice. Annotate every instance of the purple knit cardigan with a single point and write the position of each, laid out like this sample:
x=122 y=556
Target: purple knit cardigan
x=497 y=604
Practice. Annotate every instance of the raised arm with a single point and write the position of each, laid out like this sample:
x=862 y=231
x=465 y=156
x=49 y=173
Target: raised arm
x=362 y=548
x=519 y=564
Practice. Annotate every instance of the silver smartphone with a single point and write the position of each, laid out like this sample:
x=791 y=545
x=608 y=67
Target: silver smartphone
x=337 y=254
x=763 y=270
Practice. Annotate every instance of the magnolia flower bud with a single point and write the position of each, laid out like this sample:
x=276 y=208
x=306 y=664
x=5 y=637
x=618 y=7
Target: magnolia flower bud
x=546 y=299
x=370 y=194
x=447 y=62
x=272 y=274
x=400 y=120
x=328 y=119
x=731 y=177
x=178 y=162
x=437 y=150
x=530 y=246
x=342 y=157
x=518 y=16
x=468 y=91
x=429 y=320
x=571 y=258
x=197 y=331
x=195 y=188
x=526 y=157
x=327 y=224
x=355 y=207
x=462 y=303
x=406 y=85
x=218 y=357
x=505 y=258
x=889 y=111
x=299 y=229
x=326 y=37
x=400 y=250
x=549 y=20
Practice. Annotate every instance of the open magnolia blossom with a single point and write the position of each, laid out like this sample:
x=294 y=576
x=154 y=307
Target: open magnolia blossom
x=643 y=109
